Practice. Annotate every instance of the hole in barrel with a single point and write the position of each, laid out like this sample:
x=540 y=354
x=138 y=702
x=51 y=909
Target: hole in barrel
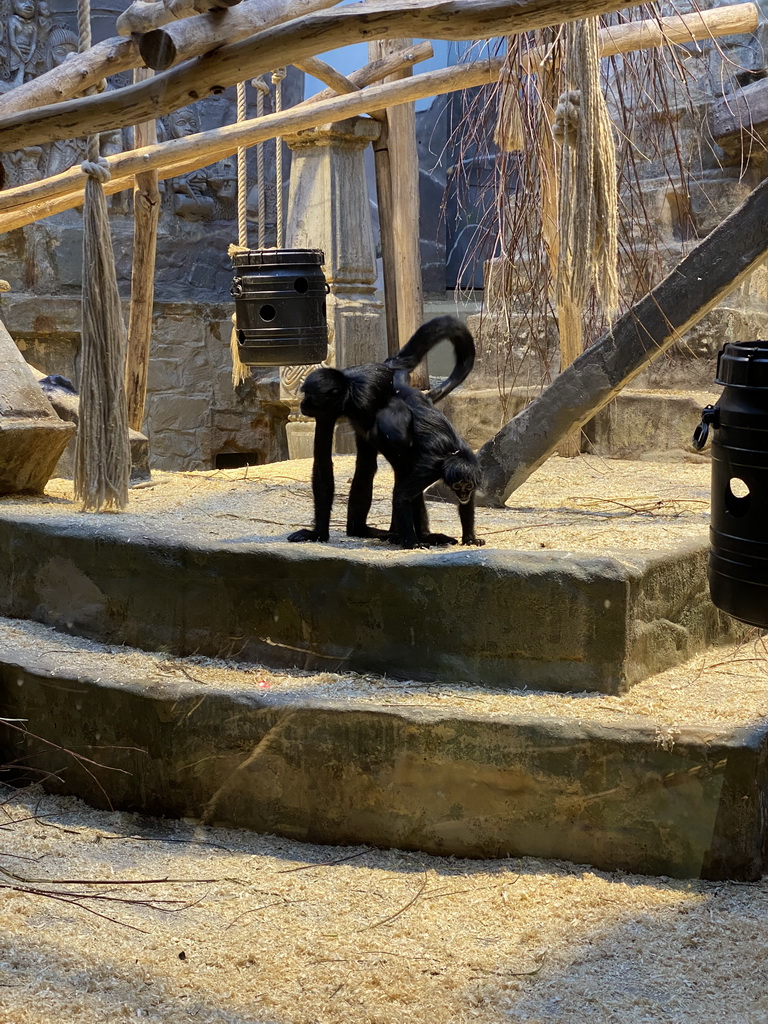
x=737 y=496
x=301 y=284
x=267 y=312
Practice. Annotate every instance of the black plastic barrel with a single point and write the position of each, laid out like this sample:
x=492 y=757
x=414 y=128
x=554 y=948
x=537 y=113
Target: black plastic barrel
x=738 y=558
x=280 y=306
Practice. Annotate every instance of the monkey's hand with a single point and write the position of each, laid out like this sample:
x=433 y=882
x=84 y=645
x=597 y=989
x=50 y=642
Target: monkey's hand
x=300 y=536
x=473 y=540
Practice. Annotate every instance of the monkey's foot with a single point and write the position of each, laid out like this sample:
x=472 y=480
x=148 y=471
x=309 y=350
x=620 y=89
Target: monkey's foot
x=368 y=531
x=300 y=536
x=476 y=541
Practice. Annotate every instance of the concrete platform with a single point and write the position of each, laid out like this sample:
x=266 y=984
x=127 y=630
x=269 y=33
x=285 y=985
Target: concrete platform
x=339 y=760
x=575 y=590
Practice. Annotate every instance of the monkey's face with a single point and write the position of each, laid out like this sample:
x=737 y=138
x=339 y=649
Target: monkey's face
x=463 y=489
x=325 y=391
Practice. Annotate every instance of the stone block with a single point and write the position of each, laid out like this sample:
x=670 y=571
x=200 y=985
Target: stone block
x=32 y=437
x=165 y=375
x=177 y=412
x=479 y=415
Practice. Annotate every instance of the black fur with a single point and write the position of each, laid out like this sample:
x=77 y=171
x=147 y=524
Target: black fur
x=360 y=393
x=422 y=447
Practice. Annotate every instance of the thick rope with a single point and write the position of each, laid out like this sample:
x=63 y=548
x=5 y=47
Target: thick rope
x=262 y=90
x=240 y=371
x=102 y=454
x=242 y=174
x=277 y=77
x=588 y=190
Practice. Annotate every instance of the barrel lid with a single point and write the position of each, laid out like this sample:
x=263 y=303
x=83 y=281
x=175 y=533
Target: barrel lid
x=743 y=364
x=277 y=257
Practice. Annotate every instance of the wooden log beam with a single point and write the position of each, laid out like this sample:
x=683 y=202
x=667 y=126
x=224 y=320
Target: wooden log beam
x=377 y=70
x=334 y=79
x=27 y=203
x=741 y=119
x=143 y=16
x=80 y=72
x=83 y=71
x=173 y=44
x=304 y=37
x=718 y=264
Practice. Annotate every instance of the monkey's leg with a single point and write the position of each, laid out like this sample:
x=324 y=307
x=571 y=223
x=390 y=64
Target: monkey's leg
x=322 y=483
x=361 y=492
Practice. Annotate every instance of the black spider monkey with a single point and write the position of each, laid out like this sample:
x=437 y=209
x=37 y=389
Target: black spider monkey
x=359 y=393
x=422 y=447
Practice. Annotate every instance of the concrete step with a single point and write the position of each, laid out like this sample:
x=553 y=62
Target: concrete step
x=584 y=584
x=671 y=780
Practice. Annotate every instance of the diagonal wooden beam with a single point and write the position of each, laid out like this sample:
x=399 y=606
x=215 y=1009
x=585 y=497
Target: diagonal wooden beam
x=715 y=267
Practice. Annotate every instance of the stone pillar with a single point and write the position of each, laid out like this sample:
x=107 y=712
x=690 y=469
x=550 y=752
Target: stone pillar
x=328 y=209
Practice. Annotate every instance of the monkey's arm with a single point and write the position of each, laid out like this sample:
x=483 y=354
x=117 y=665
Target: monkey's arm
x=322 y=482
x=467 y=517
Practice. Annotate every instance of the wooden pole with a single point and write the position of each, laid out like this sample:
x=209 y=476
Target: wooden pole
x=404 y=186
x=146 y=214
x=386 y=234
x=718 y=264
x=568 y=317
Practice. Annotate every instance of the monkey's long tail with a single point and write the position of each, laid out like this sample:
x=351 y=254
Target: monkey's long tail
x=430 y=334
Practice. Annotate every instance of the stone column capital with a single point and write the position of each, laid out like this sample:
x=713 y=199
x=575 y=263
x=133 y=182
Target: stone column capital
x=351 y=133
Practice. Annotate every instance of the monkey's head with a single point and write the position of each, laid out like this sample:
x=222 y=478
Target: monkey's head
x=462 y=474
x=325 y=391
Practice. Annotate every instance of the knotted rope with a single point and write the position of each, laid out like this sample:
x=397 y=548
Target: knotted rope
x=102 y=453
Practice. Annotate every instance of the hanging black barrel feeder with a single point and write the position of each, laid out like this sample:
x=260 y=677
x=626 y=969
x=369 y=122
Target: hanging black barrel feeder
x=280 y=306
x=738 y=557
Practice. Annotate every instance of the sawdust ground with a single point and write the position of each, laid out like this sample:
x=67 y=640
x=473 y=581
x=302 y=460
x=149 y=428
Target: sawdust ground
x=585 y=504
x=251 y=929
